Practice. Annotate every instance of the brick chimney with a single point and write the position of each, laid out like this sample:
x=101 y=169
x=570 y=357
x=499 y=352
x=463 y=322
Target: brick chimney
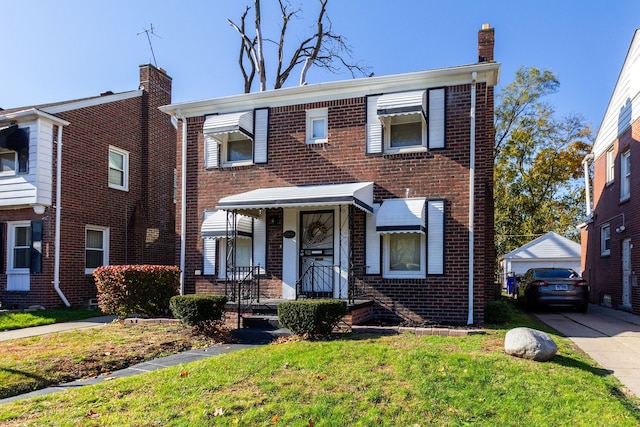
x=485 y=43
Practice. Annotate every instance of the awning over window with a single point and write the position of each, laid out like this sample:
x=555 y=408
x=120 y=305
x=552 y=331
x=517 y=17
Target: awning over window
x=401 y=216
x=214 y=225
x=359 y=194
x=231 y=122
x=396 y=104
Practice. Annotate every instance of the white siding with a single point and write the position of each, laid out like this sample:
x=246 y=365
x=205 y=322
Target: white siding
x=44 y=162
x=624 y=106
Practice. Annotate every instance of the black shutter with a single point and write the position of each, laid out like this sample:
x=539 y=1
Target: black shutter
x=36 y=246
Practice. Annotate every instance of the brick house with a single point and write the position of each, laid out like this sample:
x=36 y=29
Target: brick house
x=85 y=183
x=608 y=259
x=377 y=189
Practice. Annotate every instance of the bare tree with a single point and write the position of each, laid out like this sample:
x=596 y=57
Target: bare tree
x=323 y=49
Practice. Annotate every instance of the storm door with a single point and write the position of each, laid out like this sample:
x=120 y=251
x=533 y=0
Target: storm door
x=316 y=254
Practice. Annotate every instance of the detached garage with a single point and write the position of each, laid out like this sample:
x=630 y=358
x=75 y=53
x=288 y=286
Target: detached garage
x=549 y=250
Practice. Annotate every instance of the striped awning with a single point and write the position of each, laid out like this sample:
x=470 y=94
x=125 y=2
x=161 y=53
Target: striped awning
x=226 y=123
x=401 y=216
x=359 y=194
x=402 y=103
x=214 y=225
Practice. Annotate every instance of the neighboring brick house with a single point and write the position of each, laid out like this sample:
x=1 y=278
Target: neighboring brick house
x=85 y=183
x=610 y=259
x=354 y=189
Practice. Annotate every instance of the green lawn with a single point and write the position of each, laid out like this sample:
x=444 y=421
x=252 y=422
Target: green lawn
x=10 y=321
x=353 y=380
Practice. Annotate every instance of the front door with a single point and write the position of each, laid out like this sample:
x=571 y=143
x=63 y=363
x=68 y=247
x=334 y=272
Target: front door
x=626 y=273
x=316 y=254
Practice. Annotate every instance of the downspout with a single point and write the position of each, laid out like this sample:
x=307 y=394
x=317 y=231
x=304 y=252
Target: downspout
x=183 y=200
x=56 y=244
x=587 y=189
x=472 y=167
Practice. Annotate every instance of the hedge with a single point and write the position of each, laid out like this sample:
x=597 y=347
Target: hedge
x=197 y=309
x=141 y=289
x=311 y=317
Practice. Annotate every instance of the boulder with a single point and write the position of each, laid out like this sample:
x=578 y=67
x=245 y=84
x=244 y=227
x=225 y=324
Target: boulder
x=530 y=344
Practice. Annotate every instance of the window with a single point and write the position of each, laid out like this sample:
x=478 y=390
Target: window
x=20 y=250
x=625 y=175
x=118 y=169
x=404 y=255
x=237 y=149
x=605 y=240
x=406 y=131
x=317 y=126
x=96 y=248
x=8 y=162
x=610 y=165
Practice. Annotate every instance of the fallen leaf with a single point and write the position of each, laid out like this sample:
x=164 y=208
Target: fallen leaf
x=310 y=422
x=275 y=419
x=321 y=377
x=184 y=373
x=91 y=414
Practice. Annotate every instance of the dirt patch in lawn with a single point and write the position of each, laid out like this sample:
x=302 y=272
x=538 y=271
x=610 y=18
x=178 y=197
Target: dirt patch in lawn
x=32 y=363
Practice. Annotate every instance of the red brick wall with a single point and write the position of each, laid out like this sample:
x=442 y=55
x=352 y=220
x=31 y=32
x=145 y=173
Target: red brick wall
x=141 y=221
x=434 y=174
x=604 y=273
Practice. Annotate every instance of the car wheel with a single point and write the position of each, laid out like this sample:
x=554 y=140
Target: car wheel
x=582 y=308
x=528 y=304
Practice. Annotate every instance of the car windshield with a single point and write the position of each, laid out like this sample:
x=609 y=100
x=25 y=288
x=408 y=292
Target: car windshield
x=559 y=273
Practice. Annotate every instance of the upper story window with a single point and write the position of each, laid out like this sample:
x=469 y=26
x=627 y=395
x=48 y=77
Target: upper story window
x=14 y=150
x=236 y=139
x=610 y=165
x=605 y=239
x=406 y=121
x=625 y=175
x=317 y=126
x=96 y=248
x=118 y=169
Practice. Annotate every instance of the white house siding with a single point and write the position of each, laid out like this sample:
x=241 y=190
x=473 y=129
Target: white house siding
x=624 y=106
x=44 y=159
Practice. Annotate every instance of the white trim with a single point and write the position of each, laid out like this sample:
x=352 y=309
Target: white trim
x=625 y=175
x=15 y=163
x=125 y=168
x=487 y=72
x=105 y=246
x=92 y=102
x=313 y=116
x=610 y=165
x=605 y=236
x=388 y=123
x=437 y=115
x=372 y=243
x=11 y=239
x=387 y=273
x=435 y=236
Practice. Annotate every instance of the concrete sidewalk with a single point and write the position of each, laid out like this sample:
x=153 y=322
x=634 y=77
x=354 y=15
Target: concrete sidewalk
x=92 y=322
x=610 y=337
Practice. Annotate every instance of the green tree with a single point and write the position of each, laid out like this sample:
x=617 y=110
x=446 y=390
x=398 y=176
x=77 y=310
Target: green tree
x=538 y=175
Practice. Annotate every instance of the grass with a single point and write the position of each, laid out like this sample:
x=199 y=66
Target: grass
x=10 y=321
x=353 y=380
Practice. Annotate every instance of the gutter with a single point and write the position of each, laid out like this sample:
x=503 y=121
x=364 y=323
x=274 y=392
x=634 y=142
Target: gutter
x=56 y=262
x=587 y=189
x=183 y=199
x=472 y=168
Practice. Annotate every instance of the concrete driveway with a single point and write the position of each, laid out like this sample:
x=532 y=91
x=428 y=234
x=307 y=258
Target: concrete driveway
x=610 y=337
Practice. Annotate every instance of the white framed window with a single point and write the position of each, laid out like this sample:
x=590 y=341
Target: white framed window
x=403 y=255
x=19 y=247
x=8 y=163
x=625 y=175
x=96 y=247
x=118 y=169
x=317 y=126
x=236 y=149
x=610 y=165
x=605 y=239
x=404 y=133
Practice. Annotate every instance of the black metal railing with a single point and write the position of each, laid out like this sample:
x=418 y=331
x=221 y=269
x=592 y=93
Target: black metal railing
x=317 y=281
x=243 y=287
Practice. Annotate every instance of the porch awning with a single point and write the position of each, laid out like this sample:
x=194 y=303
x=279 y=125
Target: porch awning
x=401 y=216
x=359 y=194
x=227 y=123
x=214 y=225
x=402 y=103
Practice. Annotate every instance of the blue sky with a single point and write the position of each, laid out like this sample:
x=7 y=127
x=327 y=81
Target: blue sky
x=67 y=49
